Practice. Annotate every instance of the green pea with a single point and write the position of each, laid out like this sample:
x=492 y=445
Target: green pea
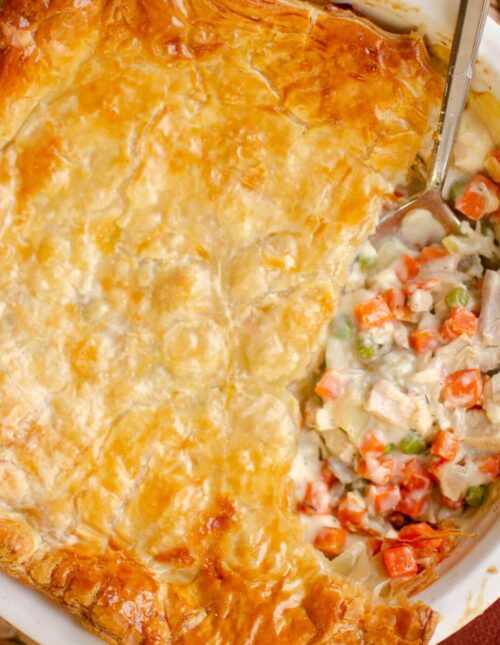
x=359 y=485
x=457 y=297
x=343 y=327
x=475 y=495
x=412 y=445
x=389 y=449
x=367 y=263
x=365 y=348
x=455 y=189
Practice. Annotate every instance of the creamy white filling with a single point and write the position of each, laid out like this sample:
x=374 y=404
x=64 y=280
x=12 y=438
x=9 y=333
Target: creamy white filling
x=399 y=391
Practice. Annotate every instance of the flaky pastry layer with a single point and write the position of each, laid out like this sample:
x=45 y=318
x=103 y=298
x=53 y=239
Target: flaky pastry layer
x=182 y=187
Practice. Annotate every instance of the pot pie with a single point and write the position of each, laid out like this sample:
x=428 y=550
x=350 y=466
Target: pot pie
x=183 y=187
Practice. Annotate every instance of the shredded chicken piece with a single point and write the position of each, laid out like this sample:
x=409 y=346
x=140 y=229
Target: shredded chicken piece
x=421 y=419
x=390 y=404
x=472 y=145
x=455 y=480
x=421 y=300
x=339 y=445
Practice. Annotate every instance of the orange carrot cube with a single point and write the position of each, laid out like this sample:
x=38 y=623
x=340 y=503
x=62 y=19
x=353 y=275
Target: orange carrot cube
x=464 y=388
x=372 y=313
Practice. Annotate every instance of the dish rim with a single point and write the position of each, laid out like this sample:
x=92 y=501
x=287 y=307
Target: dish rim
x=465 y=590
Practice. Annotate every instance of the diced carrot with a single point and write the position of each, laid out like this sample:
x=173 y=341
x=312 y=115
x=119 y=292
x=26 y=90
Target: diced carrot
x=489 y=465
x=412 y=502
x=377 y=469
x=422 y=539
x=435 y=468
x=416 y=476
x=331 y=540
x=416 y=488
x=396 y=300
x=460 y=321
x=471 y=204
x=431 y=253
x=362 y=469
x=399 y=561
x=415 y=531
x=372 y=313
x=351 y=511
x=331 y=385
x=479 y=198
x=398 y=472
x=427 y=284
x=423 y=341
x=386 y=468
x=316 y=499
x=372 y=443
x=385 y=498
x=445 y=445
x=464 y=388
x=407 y=268
x=492 y=165
x=326 y=474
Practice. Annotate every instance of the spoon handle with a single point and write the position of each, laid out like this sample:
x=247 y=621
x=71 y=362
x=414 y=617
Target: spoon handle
x=468 y=31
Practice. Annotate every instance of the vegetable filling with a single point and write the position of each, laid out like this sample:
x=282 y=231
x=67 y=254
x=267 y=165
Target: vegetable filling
x=402 y=434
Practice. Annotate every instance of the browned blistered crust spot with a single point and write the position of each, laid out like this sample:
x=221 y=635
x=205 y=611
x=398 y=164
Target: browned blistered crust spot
x=177 y=555
x=114 y=592
x=225 y=512
x=16 y=541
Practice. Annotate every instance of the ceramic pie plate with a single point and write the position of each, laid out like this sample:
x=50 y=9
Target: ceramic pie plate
x=469 y=581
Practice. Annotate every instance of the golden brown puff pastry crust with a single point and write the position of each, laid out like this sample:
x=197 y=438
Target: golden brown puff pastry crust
x=182 y=187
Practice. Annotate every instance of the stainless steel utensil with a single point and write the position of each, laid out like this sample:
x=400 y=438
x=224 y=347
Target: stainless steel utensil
x=468 y=31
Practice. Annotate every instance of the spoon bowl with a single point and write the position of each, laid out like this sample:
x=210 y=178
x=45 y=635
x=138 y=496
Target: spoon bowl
x=467 y=36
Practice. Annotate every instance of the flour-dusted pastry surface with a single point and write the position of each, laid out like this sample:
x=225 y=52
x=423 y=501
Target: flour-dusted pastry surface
x=182 y=188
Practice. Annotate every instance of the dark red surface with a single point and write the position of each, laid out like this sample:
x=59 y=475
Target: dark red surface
x=484 y=630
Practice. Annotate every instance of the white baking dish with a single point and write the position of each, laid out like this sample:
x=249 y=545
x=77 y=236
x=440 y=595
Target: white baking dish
x=470 y=579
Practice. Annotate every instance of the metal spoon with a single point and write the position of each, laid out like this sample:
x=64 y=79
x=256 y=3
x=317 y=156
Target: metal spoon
x=468 y=31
